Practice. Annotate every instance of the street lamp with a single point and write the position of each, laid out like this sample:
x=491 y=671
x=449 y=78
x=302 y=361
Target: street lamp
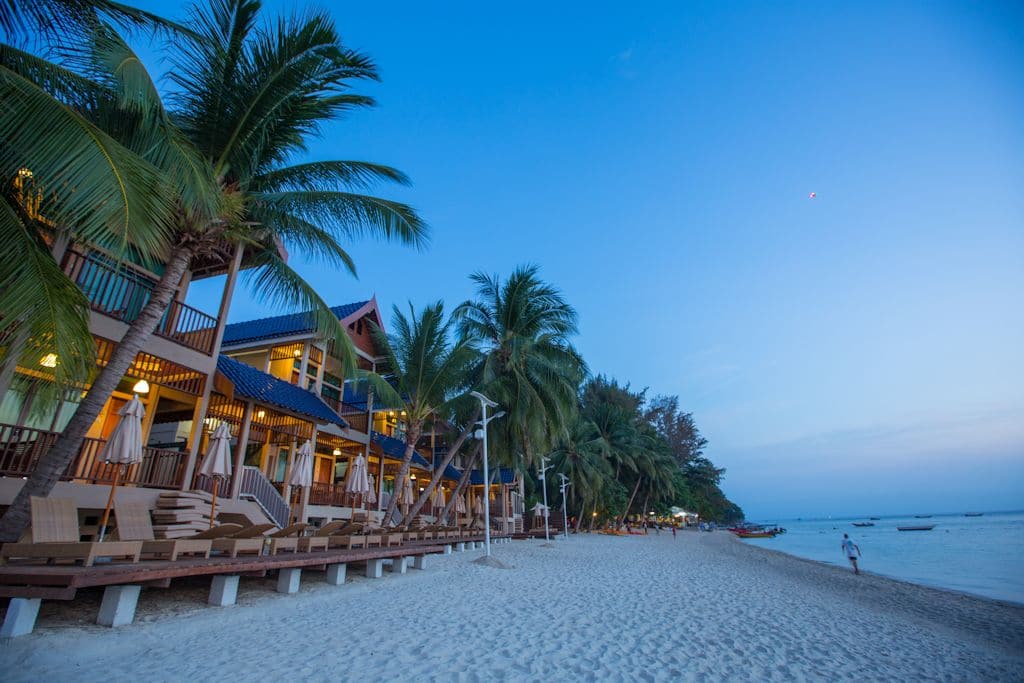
x=544 y=486
x=565 y=515
x=481 y=434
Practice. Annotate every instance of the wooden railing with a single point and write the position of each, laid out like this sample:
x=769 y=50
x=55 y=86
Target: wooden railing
x=120 y=292
x=22 y=447
x=358 y=419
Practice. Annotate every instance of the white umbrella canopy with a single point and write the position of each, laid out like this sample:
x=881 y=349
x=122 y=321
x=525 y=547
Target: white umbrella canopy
x=478 y=506
x=217 y=463
x=371 y=495
x=358 y=482
x=437 y=498
x=460 y=504
x=123 y=448
x=302 y=468
x=540 y=509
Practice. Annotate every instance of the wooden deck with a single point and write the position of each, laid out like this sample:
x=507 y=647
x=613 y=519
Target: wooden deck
x=61 y=582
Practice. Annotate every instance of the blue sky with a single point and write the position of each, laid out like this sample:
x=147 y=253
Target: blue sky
x=855 y=353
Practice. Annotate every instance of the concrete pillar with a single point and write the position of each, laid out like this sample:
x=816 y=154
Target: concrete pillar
x=336 y=574
x=374 y=569
x=448 y=550
x=288 y=580
x=460 y=546
x=399 y=565
x=118 y=606
x=419 y=562
x=21 y=617
x=223 y=590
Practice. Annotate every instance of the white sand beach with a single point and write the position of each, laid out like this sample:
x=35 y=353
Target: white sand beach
x=702 y=607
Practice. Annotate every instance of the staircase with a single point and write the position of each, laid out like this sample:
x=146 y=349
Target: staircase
x=257 y=488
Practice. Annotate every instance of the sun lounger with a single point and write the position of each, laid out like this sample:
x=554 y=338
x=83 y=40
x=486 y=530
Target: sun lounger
x=55 y=536
x=135 y=524
x=349 y=536
x=391 y=537
x=287 y=539
x=249 y=540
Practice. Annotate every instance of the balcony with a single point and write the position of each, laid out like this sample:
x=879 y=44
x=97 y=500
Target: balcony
x=358 y=420
x=116 y=290
x=22 y=447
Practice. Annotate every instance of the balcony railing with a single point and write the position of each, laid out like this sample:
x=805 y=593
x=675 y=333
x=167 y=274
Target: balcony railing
x=357 y=419
x=119 y=292
x=22 y=447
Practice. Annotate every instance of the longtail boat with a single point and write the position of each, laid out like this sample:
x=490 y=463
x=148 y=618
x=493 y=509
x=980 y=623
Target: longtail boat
x=919 y=527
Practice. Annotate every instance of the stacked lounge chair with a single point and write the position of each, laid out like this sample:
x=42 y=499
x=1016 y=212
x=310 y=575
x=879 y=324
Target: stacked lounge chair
x=134 y=524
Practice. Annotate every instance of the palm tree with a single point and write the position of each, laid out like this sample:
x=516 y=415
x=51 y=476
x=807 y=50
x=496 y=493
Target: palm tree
x=426 y=369
x=248 y=98
x=522 y=328
x=582 y=455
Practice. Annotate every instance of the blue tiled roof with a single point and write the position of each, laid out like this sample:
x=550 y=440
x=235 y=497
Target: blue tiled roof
x=258 y=386
x=396 y=449
x=281 y=325
x=450 y=472
x=505 y=476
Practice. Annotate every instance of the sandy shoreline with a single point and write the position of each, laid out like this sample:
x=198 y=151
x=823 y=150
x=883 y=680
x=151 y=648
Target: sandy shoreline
x=702 y=607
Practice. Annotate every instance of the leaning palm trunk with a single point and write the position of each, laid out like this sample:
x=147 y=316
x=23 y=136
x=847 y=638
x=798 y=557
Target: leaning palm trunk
x=55 y=462
x=463 y=480
x=411 y=438
x=435 y=479
x=579 y=517
x=620 y=520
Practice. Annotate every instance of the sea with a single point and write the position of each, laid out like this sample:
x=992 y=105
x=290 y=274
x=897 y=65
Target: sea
x=978 y=555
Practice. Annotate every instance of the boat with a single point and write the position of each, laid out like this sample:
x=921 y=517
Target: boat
x=921 y=516
x=874 y=519
x=755 y=534
x=973 y=514
x=863 y=523
x=918 y=527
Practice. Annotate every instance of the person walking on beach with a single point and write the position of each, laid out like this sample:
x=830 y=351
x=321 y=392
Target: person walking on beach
x=852 y=551
x=673 y=531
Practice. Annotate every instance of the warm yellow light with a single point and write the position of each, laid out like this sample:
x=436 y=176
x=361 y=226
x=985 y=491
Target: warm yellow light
x=403 y=413
x=297 y=352
x=337 y=451
x=49 y=360
x=141 y=387
x=413 y=477
x=24 y=173
x=261 y=414
x=391 y=413
x=594 y=514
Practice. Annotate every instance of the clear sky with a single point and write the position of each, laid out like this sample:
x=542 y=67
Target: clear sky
x=859 y=352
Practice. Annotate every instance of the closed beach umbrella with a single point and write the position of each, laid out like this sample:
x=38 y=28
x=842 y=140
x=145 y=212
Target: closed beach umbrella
x=437 y=498
x=302 y=468
x=540 y=509
x=460 y=504
x=217 y=463
x=371 y=495
x=405 y=494
x=123 y=448
x=478 y=506
x=358 y=482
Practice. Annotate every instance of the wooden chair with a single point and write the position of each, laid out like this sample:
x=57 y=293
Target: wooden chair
x=287 y=538
x=135 y=524
x=249 y=540
x=55 y=536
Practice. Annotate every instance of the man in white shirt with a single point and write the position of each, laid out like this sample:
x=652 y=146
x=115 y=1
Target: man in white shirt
x=852 y=551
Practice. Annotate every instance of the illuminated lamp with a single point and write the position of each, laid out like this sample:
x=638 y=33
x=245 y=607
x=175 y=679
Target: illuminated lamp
x=49 y=360
x=141 y=387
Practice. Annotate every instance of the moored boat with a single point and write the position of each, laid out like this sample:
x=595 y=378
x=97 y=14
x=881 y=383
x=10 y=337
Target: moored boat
x=921 y=516
x=917 y=527
x=973 y=514
x=755 y=534
x=874 y=519
x=863 y=523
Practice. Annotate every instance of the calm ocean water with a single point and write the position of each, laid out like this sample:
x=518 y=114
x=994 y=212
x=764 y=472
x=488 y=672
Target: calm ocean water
x=979 y=555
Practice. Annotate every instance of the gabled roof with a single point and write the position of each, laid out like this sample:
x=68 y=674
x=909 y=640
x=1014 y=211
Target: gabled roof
x=505 y=476
x=256 y=385
x=282 y=325
x=396 y=449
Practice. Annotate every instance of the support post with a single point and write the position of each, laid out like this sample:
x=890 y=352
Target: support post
x=21 y=617
x=118 y=606
x=419 y=562
x=223 y=590
x=243 y=441
x=460 y=546
x=336 y=574
x=399 y=565
x=374 y=569
x=288 y=580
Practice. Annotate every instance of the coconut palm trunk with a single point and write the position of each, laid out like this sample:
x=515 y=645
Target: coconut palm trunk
x=435 y=479
x=412 y=436
x=620 y=520
x=460 y=487
x=56 y=460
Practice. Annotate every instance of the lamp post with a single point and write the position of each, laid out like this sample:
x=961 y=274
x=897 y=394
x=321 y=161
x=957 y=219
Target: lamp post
x=544 y=486
x=565 y=515
x=481 y=434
